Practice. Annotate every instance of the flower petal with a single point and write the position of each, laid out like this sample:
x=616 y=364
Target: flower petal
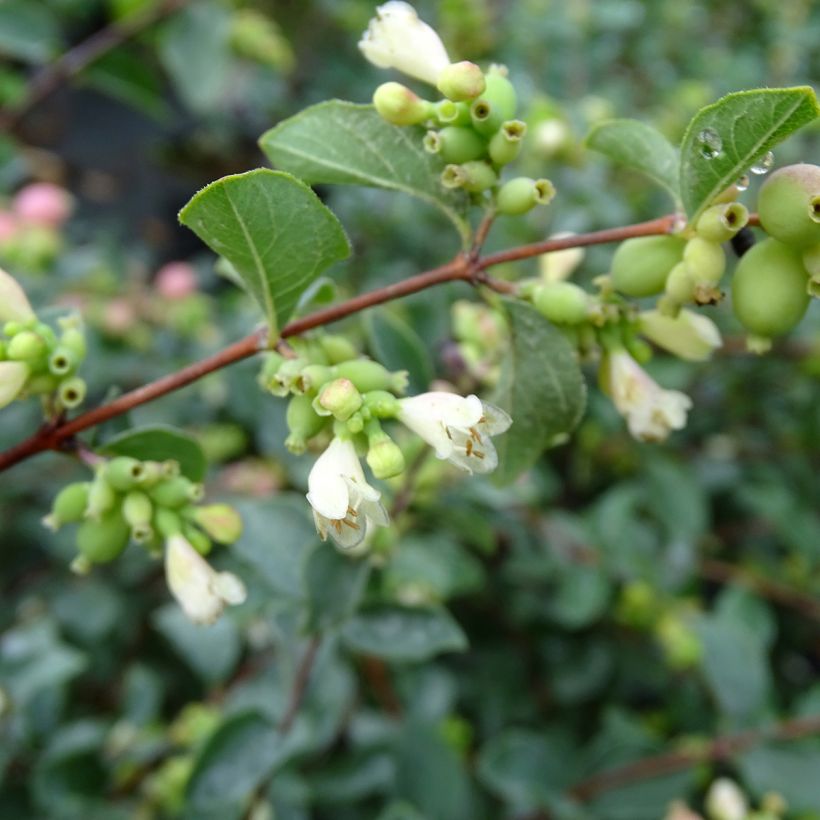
x=328 y=492
x=14 y=304
x=13 y=376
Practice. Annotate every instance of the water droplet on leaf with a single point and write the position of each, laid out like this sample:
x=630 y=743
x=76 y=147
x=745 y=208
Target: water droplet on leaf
x=710 y=143
x=764 y=164
x=743 y=183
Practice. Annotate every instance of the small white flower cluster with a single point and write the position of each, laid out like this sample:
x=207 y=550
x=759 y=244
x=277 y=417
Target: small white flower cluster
x=459 y=430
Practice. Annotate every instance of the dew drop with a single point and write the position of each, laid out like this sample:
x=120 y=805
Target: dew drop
x=710 y=143
x=763 y=165
x=743 y=183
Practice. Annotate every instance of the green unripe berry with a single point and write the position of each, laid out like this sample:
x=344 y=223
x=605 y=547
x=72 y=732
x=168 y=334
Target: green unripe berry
x=71 y=392
x=303 y=423
x=381 y=405
x=167 y=522
x=313 y=377
x=721 y=222
x=455 y=144
x=811 y=261
x=174 y=492
x=561 y=302
x=123 y=473
x=69 y=505
x=384 y=457
x=789 y=205
x=495 y=105
x=447 y=112
x=368 y=375
x=478 y=176
x=706 y=260
x=769 y=294
x=73 y=339
x=505 y=144
x=461 y=81
x=400 y=106
x=641 y=266
x=103 y=540
x=137 y=508
x=680 y=284
x=27 y=346
x=521 y=194
x=101 y=497
x=337 y=348
x=41 y=384
x=62 y=361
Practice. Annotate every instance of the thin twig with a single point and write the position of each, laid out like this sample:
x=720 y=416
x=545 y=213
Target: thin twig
x=461 y=268
x=49 y=78
x=720 y=749
x=300 y=684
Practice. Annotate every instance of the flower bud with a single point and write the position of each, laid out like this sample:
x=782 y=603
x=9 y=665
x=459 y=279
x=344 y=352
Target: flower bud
x=505 y=144
x=170 y=468
x=123 y=473
x=769 y=294
x=13 y=376
x=338 y=398
x=176 y=280
x=196 y=538
x=43 y=203
x=103 y=539
x=220 y=521
x=62 y=361
x=381 y=404
x=556 y=266
x=175 y=492
x=641 y=266
x=270 y=367
x=303 y=423
x=101 y=497
x=384 y=457
x=721 y=222
x=461 y=81
x=725 y=801
x=688 y=336
x=69 y=505
x=14 y=305
x=400 y=106
x=313 y=377
x=447 y=112
x=706 y=260
x=71 y=392
x=561 y=302
x=368 y=375
x=288 y=378
x=27 y=346
x=337 y=348
x=455 y=144
x=167 y=522
x=789 y=205
x=521 y=194
x=137 y=508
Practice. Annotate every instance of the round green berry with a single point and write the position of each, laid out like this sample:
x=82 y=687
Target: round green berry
x=789 y=205
x=641 y=266
x=103 y=539
x=561 y=302
x=769 y=294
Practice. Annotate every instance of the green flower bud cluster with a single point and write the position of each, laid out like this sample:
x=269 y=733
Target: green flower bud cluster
x=331 y=386
x=480 y=333
x=473 y=130
x=46 y=361
x=775 y=279
x=141 y=501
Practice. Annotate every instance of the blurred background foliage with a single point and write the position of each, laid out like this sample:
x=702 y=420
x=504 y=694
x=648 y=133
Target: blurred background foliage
x=500 y=647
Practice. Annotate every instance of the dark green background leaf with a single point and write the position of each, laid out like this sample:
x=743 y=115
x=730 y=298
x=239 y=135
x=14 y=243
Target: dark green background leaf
x=158 y=443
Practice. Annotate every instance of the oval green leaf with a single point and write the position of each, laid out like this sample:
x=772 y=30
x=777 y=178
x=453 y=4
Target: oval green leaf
x=159 y=443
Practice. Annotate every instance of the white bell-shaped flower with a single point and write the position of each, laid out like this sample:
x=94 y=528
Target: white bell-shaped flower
x=13 y=376
x=397 y=38
x=458 y=428
x=202 y=592
x=14 y=305
x=689 y=335
x=343 y=503
x=725 y=801
x=650 y=411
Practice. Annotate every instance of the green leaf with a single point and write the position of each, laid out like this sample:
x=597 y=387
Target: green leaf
x=724 y=139
x=343 y=143
x=274 y=231
x=195 y=50
x=158 y=443
x=541 y=387
x=639 y=146
x=787 y=768
x=28 y=31
x=397 y=346
x=400 y=634
x=327 y=569
x=236 y=758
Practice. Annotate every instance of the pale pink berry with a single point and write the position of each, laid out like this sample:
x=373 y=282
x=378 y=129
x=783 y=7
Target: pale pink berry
x=42 y=203
x=176 y=280
x=9 y=225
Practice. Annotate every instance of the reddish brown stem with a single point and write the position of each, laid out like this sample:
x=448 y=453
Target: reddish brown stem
x=462 y=268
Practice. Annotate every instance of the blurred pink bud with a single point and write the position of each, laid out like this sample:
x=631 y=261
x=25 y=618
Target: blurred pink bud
x=43 y=203
x=176 y=280
x=119 y=316
x=9 y=225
